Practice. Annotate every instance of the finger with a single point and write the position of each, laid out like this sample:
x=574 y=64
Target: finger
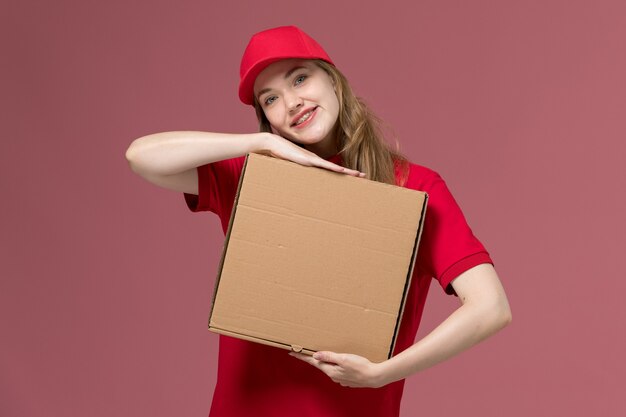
x=344 y=170
x=304 y=358
x=323 y=163
x=352 y=172
x=331 y=166
x=328 y=368
x=312 y=361
x=327 y=356
x=347 y=384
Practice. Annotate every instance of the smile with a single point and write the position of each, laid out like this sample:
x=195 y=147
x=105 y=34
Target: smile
x=305 y=118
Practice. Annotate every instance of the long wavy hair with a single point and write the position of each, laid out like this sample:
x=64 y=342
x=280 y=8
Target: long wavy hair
x=358 y=134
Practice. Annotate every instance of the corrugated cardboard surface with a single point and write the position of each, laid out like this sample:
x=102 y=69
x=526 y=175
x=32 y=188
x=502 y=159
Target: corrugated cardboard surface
x=316 y=260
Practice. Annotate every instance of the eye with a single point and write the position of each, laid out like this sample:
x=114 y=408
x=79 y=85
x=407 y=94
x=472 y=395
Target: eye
x=300 y=79
x=269 y=100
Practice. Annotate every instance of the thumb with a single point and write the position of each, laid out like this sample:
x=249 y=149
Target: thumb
x=326 y=356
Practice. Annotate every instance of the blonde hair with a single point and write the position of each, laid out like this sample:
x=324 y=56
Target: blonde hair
x=358 y=134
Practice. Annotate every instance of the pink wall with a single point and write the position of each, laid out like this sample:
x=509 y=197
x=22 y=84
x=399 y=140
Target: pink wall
x=106 y=280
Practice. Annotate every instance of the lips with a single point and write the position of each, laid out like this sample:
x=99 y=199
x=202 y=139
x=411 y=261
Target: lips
x=294 y=122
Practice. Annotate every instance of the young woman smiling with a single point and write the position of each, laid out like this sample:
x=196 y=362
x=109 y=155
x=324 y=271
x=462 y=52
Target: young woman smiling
x=308 y=114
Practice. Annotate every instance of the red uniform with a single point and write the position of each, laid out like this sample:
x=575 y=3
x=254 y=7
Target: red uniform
x=263 y=381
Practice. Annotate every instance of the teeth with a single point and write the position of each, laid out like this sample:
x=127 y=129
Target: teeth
x=304 y=118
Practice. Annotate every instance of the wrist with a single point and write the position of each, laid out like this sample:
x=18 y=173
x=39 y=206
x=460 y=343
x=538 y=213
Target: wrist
x=381 y=375
x=263 y=142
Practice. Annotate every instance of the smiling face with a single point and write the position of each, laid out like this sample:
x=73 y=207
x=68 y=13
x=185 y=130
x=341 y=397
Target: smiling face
x=299 y=100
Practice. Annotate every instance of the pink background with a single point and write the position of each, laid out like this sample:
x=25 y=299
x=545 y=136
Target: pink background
x=106 y=280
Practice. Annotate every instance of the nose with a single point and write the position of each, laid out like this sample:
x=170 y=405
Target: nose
x=293 y=102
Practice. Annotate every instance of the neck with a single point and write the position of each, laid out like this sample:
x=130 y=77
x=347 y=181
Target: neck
x=327 y=147
x=324 y=149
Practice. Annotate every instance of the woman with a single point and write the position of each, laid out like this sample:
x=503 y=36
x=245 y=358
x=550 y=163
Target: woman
x=309 y=115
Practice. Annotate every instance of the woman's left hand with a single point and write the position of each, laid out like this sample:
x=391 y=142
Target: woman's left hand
x=346 y=369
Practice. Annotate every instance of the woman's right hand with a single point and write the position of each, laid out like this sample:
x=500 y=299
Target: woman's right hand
x=282 y=148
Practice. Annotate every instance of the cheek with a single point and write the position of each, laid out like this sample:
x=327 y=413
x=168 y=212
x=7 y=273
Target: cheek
x=334 y=105
x=275 y=126
x=274 y=116
x=330 y=97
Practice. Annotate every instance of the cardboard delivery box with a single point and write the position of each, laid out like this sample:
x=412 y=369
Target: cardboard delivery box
x=316 y=260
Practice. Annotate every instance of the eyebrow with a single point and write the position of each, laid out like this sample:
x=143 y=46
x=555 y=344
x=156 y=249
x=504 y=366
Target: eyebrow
x=287 y=75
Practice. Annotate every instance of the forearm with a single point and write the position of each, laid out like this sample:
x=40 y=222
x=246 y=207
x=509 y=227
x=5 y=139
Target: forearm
x=168 y=153
x=484 y=310
x=465 y=327
x=471 y=323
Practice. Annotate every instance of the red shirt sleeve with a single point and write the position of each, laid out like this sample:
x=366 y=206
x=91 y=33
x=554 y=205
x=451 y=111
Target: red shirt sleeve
x=217 y=186
x=448 y=246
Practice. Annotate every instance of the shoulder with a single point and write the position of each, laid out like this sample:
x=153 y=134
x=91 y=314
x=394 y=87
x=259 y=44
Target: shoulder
x=420 y=177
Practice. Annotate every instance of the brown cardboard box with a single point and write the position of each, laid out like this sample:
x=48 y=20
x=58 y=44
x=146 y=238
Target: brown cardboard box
x=316 y=260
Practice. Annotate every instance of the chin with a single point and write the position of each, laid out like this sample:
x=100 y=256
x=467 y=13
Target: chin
x=311 y=136
x=314 y=136
x=307 y=140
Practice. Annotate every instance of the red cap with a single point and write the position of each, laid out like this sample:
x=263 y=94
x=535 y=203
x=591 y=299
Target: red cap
x=270 y=46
